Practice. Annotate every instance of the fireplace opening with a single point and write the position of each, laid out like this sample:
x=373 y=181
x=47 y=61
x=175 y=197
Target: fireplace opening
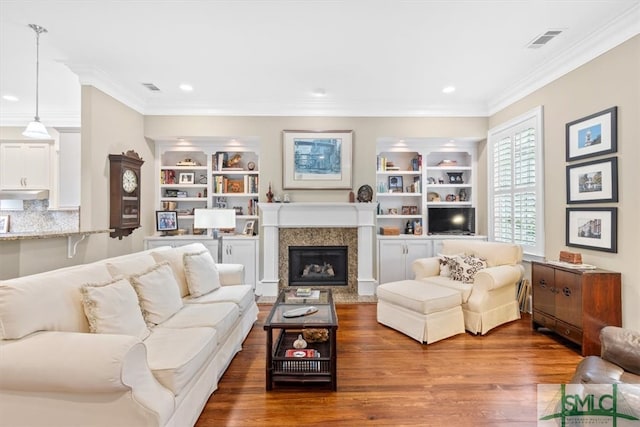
x=318 y=265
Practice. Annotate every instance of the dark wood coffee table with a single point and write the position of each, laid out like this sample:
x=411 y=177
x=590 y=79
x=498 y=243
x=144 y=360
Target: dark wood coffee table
x=283 y=331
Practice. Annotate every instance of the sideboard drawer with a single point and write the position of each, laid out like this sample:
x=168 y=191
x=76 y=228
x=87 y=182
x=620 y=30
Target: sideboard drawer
x=544 y=320
x=569 y=332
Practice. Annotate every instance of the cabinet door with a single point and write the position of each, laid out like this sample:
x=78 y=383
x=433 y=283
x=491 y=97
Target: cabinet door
x=543 y=289
x=241 y=252
x=569 y=297
x=25 y=165
x=415 y=250
x=37 y=166
x=391 y=261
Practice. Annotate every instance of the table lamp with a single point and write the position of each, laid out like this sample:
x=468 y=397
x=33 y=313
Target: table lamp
x=215 y=219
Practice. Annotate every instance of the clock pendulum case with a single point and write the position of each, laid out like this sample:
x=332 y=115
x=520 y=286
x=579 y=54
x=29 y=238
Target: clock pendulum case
x=124 y=186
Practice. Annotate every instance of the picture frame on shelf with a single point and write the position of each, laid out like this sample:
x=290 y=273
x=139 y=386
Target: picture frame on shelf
x=592 y=228
x=186 y=178
x=395 y=184
x=593 y=182
x=249 y=228
x=317 y=159
x=234 y=186
x=166 y=221
x=4 y=224
x=593 y=135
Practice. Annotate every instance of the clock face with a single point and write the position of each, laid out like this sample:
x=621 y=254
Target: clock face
x=129 y=181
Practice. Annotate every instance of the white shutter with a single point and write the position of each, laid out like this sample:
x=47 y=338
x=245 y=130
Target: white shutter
x=515 y=183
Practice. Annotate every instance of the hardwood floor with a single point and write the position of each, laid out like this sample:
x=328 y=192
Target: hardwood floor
x=387 y=378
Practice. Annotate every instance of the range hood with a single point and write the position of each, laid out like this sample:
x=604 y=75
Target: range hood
x=24 y=194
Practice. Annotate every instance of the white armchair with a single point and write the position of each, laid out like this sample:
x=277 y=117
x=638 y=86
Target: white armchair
x=490 y=299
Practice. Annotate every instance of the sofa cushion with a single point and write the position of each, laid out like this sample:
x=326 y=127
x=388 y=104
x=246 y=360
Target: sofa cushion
x=447 y=282
x=49 y=301
x=113 y=308
x=464 y=268
x=158 y=292
x=419 y=296
x=130 y=264
x=222 y=316
x=175 y=258
x=242 y=295
x=176 y=355
x=201 y=273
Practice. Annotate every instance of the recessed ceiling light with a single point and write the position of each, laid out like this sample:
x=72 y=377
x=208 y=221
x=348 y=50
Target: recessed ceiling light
x=319 y=92
x=10 y=98
x=186 y=87
x=448 y=89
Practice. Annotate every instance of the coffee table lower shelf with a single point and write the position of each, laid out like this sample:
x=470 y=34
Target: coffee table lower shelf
x=301 y=369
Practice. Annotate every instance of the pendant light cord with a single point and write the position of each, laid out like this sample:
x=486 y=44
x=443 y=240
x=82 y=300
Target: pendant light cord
x=38 y=29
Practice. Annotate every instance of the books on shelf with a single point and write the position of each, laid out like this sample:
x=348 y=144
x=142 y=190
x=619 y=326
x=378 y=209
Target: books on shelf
x=302 y=352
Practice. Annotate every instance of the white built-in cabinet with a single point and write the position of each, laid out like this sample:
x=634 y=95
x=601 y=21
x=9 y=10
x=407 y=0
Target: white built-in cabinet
x=412 y=175
x=215 y=172
x=25 y=165
x=396 y=255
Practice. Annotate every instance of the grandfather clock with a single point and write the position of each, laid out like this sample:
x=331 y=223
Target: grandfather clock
x=124 y=185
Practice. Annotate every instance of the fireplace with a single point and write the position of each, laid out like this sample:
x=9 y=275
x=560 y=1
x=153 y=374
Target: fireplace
x=317 y=224
x=318 y=266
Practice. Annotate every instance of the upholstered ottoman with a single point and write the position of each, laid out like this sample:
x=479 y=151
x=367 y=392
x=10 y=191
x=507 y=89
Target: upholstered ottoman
x=425 y=312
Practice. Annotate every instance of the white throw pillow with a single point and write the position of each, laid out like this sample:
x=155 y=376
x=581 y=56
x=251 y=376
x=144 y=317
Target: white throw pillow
x=201 y=272
x=466 y=268
x=158 y=292
x=446 y=264
x=113 y=308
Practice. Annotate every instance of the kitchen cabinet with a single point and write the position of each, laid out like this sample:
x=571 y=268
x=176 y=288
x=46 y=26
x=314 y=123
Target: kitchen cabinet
x=25 y=165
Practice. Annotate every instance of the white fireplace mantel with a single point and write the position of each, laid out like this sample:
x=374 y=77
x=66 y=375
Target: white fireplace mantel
x=321 y=215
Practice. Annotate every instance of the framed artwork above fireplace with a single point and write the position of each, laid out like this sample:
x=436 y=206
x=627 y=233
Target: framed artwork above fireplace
x=317 y=159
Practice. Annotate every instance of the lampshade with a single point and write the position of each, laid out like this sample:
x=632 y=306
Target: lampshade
x=214 y=218
x=36 y=129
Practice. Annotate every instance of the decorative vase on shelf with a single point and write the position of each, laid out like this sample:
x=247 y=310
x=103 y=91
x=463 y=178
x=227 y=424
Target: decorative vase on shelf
x=300 y=342
x=462 y=195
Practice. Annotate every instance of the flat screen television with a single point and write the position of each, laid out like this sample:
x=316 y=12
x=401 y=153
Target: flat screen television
x=451 y=220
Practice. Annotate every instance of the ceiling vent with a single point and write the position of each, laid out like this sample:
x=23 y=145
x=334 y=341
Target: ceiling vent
x=151 y=87
x=543 y=39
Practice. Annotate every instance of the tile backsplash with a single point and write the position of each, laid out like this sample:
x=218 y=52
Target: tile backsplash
x=36 y=217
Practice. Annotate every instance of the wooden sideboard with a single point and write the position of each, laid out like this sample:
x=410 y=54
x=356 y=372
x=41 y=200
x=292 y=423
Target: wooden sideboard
x=576 y=304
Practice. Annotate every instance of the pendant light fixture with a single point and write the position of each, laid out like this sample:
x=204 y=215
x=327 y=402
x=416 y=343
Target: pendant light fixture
x=36 y=129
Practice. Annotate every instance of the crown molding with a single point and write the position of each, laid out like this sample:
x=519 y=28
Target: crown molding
x=49 y=119
x=600 y=41
x=89 y=75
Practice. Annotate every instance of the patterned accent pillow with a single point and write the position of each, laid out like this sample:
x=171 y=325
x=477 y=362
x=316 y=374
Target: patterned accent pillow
x=447 y=262
x=466 y=268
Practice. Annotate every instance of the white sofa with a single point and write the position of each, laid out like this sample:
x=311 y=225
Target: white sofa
x=154 y=367
x=489 y=299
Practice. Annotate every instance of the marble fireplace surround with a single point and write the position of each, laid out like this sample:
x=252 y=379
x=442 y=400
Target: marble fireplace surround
x=352 y=224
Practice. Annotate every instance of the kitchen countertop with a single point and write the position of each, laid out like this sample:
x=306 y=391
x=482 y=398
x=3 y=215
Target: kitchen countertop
x=47 y=235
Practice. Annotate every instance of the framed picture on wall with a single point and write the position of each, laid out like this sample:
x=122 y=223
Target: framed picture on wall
x=593 y=182
x=592 y=228
x=593 y=135
x=317 y=160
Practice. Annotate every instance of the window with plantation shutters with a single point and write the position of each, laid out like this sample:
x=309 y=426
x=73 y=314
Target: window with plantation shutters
x=515 y=171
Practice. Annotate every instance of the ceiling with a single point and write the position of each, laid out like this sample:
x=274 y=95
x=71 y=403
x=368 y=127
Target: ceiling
x=296 y=57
